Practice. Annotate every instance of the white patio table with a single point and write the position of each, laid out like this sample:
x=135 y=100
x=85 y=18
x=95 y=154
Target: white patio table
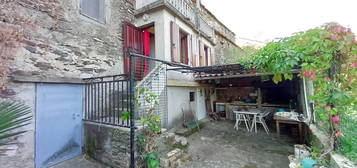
x=251 y=113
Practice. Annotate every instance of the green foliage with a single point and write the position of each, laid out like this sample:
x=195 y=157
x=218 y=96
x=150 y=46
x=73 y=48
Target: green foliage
x=125 y=115
x=315 y=154
x=152 y=160
x=348 y=142
x=146 y=141
x=277 y=58
x=327 y=55
x=12 y=117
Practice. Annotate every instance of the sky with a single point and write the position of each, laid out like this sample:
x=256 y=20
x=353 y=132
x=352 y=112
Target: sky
x=264 y=20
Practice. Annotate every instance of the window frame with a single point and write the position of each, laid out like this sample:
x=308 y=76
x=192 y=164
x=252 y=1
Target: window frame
x=185 y=35
x=192 y=96
x=102 y=9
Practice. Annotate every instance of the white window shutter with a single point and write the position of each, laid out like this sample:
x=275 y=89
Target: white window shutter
x=209 y=63
x=189 y=44
x=213 y=56
x=175 y=42
x=202 y=53
x=194 y=51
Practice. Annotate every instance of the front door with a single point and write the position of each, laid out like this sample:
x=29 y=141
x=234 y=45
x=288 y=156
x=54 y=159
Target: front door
x=58 y=123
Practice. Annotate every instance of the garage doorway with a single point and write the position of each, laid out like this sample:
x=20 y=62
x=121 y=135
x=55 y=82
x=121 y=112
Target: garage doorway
x=58 y=123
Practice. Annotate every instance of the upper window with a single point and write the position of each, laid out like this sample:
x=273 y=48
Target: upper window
x=179 y=44
x=94 y=9
x=183 y=47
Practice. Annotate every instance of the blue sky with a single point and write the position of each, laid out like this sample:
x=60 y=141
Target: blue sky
x=265 y=20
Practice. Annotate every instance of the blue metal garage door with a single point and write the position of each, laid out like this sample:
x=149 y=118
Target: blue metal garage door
x=58 y=123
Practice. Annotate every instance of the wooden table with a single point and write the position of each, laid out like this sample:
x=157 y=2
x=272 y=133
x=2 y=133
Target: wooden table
x=283 y=120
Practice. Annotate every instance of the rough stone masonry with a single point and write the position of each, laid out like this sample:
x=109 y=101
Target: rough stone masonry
x=63 y=43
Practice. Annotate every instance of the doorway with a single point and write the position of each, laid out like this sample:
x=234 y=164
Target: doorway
x=58 y=123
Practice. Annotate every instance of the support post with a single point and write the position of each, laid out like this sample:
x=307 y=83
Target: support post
x=132 y=110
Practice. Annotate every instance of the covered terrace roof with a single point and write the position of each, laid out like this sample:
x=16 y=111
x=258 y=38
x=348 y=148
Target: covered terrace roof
x=223 y=71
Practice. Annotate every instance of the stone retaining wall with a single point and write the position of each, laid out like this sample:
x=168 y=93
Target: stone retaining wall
x=108 y=145
x=321 y=140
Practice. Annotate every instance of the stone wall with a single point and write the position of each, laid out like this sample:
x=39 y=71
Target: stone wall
x=60 y=43
x=70 y=44
x=225 y=49
x=108 y=145
x=21 y=154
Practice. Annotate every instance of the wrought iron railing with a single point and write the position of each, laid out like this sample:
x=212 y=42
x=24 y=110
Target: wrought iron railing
x=205 y=28
x=185 y=8
x=106 y=99
x=142 y=3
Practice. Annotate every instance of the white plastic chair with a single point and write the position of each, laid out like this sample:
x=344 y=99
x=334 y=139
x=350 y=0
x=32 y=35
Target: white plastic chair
x=239 y=119
x=260 y=120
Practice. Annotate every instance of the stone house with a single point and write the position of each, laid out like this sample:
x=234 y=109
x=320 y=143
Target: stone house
x=76 y=39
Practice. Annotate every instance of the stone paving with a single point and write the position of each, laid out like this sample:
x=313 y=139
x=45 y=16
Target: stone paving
x=218 y=145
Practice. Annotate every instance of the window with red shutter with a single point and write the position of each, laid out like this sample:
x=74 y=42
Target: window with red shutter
x=133 y=42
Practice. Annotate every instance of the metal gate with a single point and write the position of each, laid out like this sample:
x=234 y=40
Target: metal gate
x=58 y=123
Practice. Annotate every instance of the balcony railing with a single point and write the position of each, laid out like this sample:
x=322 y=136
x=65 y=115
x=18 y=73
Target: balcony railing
x=205 y=28
x=142 y=3
x=184 y=8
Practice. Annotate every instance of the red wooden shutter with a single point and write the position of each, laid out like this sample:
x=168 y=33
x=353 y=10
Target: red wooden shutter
x=133 y=42
x=146 y=48
x=175 y=42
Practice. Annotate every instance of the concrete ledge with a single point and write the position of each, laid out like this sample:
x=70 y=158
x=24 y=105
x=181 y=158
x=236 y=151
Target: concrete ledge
x=336 y=160
x=339 y=161
x=43 y=79
x=179 y=83
x=107 y=126
x=322 y=139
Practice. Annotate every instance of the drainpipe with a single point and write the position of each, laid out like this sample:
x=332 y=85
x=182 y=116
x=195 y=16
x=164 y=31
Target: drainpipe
x=308 y=112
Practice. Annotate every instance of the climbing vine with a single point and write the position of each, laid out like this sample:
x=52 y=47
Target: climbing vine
x=327 y=55
x=146 y=140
